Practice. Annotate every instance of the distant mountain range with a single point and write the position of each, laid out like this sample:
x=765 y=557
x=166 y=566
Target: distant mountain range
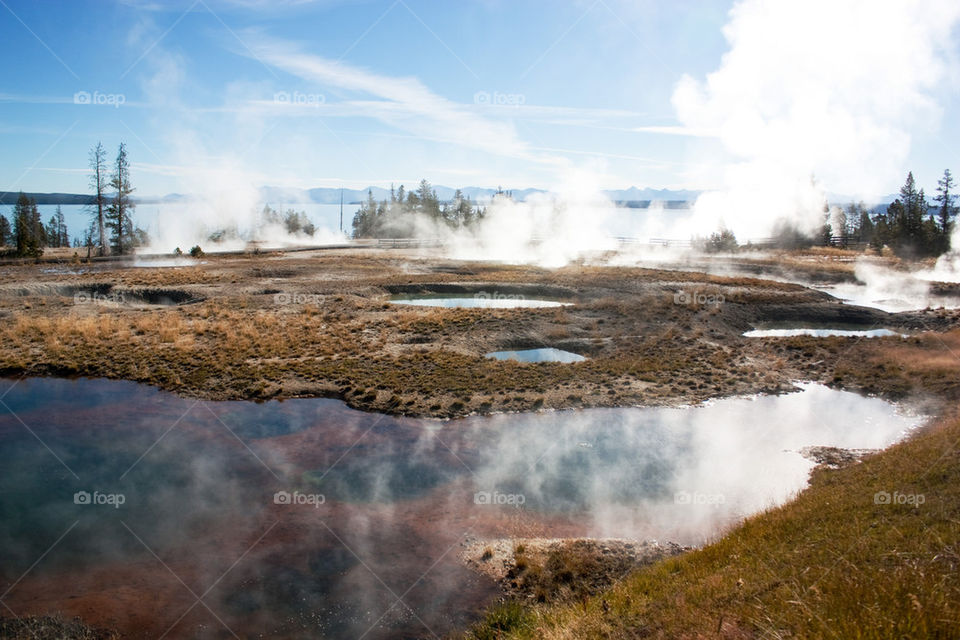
x=331 y=195
x=10 y=198
x=633 y=196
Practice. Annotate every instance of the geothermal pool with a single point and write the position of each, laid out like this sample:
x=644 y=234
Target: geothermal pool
x=124 y=504
x=537 y=355
x=820 y=332
x=478 y=301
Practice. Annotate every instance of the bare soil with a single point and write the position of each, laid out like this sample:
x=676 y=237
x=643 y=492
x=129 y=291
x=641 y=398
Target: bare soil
x=321 y=323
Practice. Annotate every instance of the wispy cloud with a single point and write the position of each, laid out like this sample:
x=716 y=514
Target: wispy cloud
x=678 y=130
x=30 y=99
x=259 y=5
x=63 y=169
x=401 y=102
x=545 y=113
x=27 y=130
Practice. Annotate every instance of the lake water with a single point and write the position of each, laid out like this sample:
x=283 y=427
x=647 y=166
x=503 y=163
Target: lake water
x=300 y=519
x=148 y=216
x=479 y=301
x=537 y=355
x=326 y=217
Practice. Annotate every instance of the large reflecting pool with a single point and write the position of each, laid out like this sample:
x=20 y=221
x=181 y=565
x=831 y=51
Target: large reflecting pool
x=123 y=504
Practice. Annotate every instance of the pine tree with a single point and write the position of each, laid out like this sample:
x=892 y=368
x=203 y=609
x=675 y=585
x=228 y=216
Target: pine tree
x=429 y=203
x=63 y=238
x=56 y=230
x=6 y=233
x=909 y=222
x=461 y=211
x=859 y=223
x=21 y=224
x=53 y=233
x=826 y=231
x=119 y=212
x=98 y=182
x=907 y=225
x=365 y=219
x=27 y=228
x=946 y=210
x=39 y=231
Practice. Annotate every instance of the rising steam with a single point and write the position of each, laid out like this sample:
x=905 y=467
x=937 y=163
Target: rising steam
x=816 y=95
x=810 y=96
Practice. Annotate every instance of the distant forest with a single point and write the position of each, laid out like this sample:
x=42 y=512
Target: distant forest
x=911 y=226
x=399 y=216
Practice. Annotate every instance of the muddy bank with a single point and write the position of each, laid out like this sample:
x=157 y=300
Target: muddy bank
x=835 y=457
x=553 y=569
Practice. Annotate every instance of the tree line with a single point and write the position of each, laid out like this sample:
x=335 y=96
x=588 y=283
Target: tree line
x=111 y=229
x=398 y=216
x=911 y=226
x=293 y=222
x=28 y=235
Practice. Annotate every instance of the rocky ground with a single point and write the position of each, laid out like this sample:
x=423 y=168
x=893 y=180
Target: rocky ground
x=50 y=628
x=321 y=324
x=542 y=569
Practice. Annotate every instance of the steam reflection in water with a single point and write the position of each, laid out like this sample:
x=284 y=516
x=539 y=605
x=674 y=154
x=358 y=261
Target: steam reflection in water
x=200 y=482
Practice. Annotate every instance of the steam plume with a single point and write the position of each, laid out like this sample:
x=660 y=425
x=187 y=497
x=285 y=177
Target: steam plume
x=815 y=94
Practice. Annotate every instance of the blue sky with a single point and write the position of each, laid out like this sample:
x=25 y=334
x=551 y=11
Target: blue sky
x=327 y=93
